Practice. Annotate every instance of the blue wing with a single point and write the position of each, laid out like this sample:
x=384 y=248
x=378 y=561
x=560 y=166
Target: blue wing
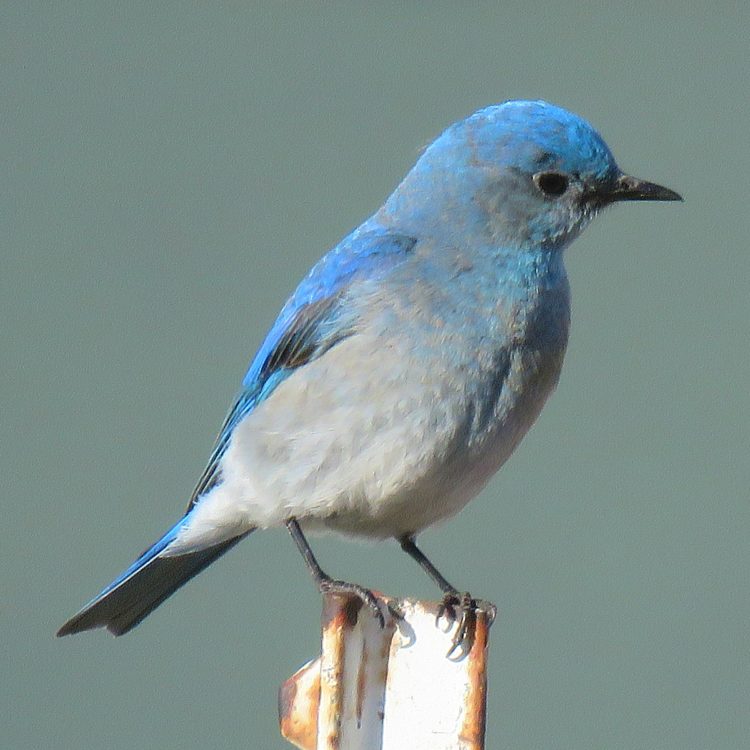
x=314 y=319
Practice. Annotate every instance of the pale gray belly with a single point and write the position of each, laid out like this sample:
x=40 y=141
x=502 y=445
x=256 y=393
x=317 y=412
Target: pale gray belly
x=490 y=420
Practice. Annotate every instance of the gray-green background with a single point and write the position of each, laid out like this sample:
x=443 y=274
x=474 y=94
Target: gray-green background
x=170 y=172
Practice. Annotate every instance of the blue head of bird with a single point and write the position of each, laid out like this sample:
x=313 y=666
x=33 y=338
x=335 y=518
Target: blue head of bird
x=517 y=175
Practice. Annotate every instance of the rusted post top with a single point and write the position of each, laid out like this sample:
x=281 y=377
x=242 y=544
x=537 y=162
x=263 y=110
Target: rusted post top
x=389 y=689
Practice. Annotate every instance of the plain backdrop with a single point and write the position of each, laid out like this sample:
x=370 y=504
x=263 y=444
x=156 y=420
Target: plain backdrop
x=171 y=170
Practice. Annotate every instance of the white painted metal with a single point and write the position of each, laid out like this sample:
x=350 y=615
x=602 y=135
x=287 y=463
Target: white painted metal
x=389 y=689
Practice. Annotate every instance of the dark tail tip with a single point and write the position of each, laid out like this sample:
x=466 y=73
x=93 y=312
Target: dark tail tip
x=122 y=608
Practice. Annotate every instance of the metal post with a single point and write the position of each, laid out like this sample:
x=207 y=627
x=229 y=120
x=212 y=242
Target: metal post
x=389 y=689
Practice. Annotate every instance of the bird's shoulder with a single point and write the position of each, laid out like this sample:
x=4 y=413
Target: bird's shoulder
x=365 y=253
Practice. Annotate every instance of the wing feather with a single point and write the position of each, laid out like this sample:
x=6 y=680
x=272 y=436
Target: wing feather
x=314 y=319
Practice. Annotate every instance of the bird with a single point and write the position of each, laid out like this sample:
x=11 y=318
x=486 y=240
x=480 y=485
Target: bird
x=407 y=365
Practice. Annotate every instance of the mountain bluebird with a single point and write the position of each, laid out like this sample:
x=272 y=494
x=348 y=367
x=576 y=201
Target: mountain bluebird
x=407 y=365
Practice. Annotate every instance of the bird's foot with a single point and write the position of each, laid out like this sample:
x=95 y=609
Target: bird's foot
x=377 y=606
x=462 y=609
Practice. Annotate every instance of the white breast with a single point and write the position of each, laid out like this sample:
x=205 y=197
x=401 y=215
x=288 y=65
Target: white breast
x=374 y=450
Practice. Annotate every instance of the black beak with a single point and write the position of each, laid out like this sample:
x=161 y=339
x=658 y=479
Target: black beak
x=627 y=188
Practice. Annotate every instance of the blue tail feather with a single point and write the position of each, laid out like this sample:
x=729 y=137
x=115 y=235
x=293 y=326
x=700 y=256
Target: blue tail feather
x=144 y=586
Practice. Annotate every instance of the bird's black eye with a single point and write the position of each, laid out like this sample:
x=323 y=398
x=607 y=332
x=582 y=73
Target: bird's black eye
x=552 y=184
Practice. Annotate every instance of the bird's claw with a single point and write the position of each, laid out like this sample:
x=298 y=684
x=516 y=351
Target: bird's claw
x=377 y=606
x=462 y=609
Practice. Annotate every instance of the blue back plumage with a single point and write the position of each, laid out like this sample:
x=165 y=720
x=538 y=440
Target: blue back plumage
x=360 y=254
x=311 y=322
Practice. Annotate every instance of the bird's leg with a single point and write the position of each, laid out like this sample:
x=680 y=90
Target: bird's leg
x=451 y=595
x=409 y=546
x=453 y=599
x=326 y=584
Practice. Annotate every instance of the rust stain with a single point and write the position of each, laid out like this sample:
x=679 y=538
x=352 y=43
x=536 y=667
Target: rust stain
x=287 y=694
x=337 y=616
x=361 y=684
x=313 y=699
x=331 y=613
x=340 y=611
x=299 y=700
x=475 y=708
x=351 y=609
x=313 y=691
